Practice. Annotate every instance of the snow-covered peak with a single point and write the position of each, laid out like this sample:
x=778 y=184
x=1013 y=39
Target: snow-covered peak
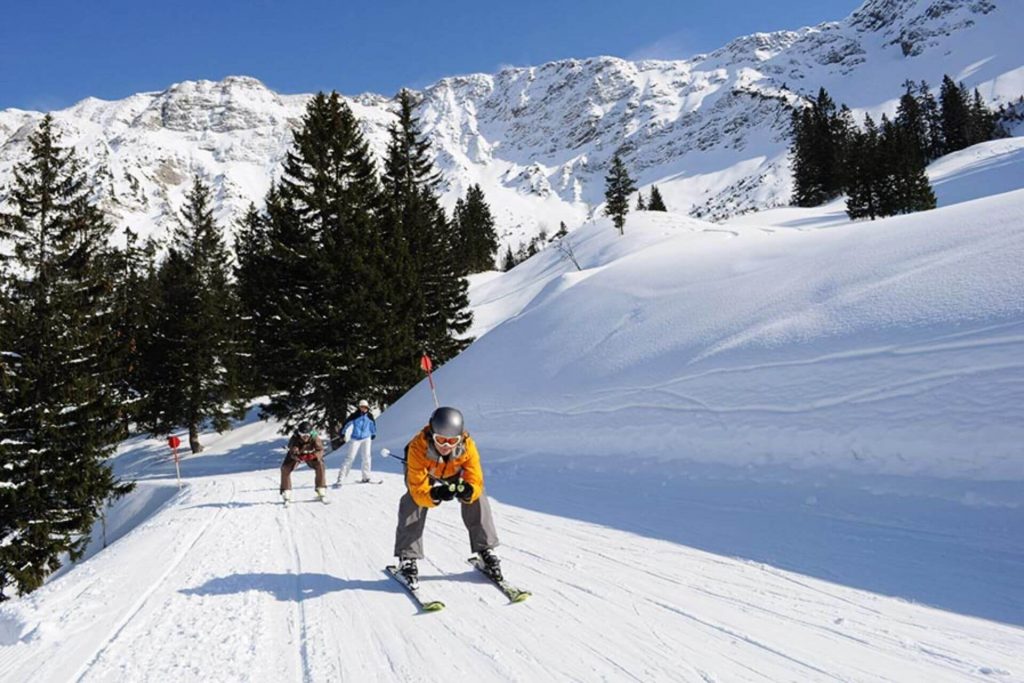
x=711 y=131
x=917 y=25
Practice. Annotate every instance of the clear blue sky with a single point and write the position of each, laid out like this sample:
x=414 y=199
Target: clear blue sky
x=56 y=52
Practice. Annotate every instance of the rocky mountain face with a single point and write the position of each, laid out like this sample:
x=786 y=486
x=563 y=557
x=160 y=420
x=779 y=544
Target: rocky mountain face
x=711 y=131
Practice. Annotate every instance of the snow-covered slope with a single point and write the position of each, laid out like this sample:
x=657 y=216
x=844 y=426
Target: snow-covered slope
x=710 y=130
x=894 y=346
x=225 y=585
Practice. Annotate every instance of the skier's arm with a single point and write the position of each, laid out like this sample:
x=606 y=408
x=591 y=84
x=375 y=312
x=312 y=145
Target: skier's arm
x=472 y=471
x=417 y=478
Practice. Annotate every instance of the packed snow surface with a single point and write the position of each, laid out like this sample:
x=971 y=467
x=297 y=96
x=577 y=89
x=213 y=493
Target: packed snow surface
x=225 y=584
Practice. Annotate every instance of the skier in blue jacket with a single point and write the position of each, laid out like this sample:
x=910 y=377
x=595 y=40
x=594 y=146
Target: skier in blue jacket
x=359 y=430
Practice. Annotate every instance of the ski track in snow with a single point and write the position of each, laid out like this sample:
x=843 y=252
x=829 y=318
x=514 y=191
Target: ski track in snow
x=148 y=594
x=265 y=593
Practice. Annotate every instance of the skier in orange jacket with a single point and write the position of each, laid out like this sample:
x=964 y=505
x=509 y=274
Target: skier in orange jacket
x=442 y=464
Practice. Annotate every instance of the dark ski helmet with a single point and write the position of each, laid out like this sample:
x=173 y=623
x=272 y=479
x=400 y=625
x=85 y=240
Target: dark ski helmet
x=304 y=429
x=446 y=422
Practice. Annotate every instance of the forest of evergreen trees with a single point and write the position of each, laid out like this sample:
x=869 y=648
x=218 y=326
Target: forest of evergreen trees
x=338 y=283
x=881 y=166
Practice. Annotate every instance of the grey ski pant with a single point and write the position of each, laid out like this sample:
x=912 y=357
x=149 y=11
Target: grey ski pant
x=412 y=519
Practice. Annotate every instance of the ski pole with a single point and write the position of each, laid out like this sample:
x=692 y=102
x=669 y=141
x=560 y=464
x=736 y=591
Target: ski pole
x=427 y=367
x=386 y=452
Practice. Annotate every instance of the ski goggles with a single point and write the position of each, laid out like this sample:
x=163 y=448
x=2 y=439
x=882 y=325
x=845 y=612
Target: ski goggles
x=447 y=440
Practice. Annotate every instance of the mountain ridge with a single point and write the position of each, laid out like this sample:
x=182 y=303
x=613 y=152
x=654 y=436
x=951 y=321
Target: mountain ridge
x=711 y=131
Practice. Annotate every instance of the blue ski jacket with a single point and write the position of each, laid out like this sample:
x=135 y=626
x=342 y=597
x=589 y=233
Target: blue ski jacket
x=363 y=426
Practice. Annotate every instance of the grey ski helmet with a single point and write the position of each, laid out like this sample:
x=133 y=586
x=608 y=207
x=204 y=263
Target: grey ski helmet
x=446 y=422
x=304 y=429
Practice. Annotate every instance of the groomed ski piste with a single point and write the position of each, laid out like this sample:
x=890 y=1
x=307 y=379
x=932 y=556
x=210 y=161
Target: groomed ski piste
x=787 y=448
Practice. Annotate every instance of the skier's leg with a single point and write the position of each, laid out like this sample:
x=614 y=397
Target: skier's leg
x=365 y=448
x=321 y=472
x=346 y=464
x=286 y=473
x=480 y=524
x=409 y=534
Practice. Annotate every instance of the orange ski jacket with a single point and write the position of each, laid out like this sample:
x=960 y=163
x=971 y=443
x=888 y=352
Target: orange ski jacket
x=424 y=465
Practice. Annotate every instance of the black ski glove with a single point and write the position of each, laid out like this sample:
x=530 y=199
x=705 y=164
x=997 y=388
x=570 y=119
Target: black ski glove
x=441 y=492
x=465 y=491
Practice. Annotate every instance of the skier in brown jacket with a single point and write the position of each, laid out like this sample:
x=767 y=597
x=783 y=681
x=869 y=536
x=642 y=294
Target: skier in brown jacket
x=304 y=446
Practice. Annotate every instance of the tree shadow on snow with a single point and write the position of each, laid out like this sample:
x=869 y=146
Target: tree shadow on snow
x=286 y=587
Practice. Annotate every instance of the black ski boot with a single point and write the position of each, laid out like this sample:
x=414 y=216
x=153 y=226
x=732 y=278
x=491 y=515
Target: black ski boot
x=492 y=563
x=409 y=571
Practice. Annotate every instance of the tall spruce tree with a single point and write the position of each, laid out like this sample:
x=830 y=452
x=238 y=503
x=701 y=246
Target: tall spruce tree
x=618 y=187
x=912 y=124
x=641 y=205
x=906 y=183
x=430 y=300
x=982 y=121
x=325 y=239
x=656 y=203
x=192 y=356
x=955 y=115
x=933 y=121
x=255 y=285
x=820 y=135
x=474 y=224
x=59 y=419
x=864 y=178
x=135 y=299
x=887 y=172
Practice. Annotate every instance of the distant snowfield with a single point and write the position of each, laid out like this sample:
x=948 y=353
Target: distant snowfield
x=744 y=452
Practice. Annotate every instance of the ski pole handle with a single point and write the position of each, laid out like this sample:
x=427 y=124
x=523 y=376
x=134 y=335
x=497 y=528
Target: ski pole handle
x=388 y=454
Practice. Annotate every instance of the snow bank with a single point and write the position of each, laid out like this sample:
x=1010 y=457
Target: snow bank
x=889 y=347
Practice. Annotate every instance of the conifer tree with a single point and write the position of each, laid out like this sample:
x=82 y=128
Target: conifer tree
x=912 y=124
x=982 y=126
x=908 y=189
x=933 y=121
x=192 y=357
x=640 y=204
x=508 y=262
x=618 y=187
x=863 y=185
x=474 y=224
x=59 y=420
x=656 y=203
x=843 y=128
x=819 y=139
x=430 y=301
x=955 y=115
x=135 y=300
x=316 y=330
x=255 y=285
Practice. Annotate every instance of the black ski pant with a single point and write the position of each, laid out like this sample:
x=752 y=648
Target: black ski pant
x=412 y=519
